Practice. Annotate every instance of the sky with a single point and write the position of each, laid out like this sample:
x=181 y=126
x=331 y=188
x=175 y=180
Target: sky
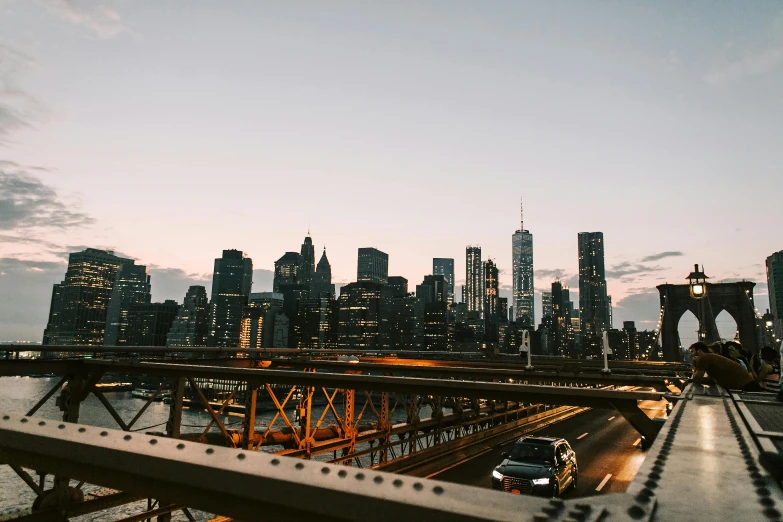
x=171 y=130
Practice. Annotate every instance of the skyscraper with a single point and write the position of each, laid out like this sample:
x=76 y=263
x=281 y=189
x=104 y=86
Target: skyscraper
x=775 y=284
x=593 y=301
x=77 y=315
x=192 y=322
x=323 y=286
x=149 y=323
x=307 y=270
x=361 y=318
x=546 y=304
x=473 y=292
x=561 y=319
x=522 y=268
x=231 y=283
x=445 y=267
x=131 y=287
x=287 y=270
x=491 y=291
x=373 y=265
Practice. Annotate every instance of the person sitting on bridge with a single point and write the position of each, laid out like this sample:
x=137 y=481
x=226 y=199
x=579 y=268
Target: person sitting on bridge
x=727 y=373
x=761 y=364
x=733 y=350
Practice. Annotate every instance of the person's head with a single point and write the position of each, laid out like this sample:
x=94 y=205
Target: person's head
x=699 y=348
x=716 y=347
x=768 y=354
x=733 y=349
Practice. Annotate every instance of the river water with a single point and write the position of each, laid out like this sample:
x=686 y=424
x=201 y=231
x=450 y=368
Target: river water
x=19 y=394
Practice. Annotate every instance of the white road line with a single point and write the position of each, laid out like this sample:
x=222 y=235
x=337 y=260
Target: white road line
x=637 y=442
x=611 y=418
x=603 y=482
x=583 y=435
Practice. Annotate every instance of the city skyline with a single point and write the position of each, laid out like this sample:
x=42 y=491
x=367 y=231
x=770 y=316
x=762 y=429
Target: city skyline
x=100 y=145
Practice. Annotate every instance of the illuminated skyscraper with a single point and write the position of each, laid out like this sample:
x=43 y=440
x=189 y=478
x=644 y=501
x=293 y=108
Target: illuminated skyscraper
x=131 y=287
x=231 y=283
x=546 y=304
x=491 y=287
x=474 y=280
x=522 y=273
x=445 y=267
x=373 y=265
x=77 y=316
x=593 y=300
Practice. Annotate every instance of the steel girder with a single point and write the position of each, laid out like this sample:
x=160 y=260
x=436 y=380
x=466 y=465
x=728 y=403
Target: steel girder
x=246 y=485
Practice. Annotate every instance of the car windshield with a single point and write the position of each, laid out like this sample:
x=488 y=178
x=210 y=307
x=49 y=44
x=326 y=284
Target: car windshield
x=532 y=453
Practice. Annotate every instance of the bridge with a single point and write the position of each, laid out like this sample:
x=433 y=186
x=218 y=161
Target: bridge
x=338 y=448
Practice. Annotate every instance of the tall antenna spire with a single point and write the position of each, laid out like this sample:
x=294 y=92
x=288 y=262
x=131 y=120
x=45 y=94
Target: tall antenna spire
x=521 y=216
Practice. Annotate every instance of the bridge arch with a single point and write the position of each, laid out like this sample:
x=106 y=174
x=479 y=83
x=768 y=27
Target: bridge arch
x=734 y=298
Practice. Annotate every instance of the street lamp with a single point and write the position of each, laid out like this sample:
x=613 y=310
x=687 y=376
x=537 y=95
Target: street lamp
x=698 y=283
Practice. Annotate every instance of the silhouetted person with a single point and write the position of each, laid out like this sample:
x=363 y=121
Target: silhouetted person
x=761 y=364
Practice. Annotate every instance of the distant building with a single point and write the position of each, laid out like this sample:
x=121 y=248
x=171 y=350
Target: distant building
x=561 y=321
x=231 y=283
x=404 y=332
x=149 y=324
x=522 y=274
x=361 y=316
x=323 y=279
x=433 y=292
x=445 y=267
x=398 y=286
x=775 y=284
x=260 y=328
x=306 y=275
x=593 y=298
x=373 y=266
x=491 y=294
x=546 y=304
x=191 y=325
x=434 y=288
x=473 y=291
x=131 y=287
x=287 y=270
x=77 y=315
x=315 y=324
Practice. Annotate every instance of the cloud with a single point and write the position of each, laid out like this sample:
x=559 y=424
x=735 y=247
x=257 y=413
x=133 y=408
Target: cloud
x=553 y=273
x=100 y=19
x=661 y=255
x=752 y=64
x=625 y=269
x=26 y=287
x=642 y=307
x=26 y=202
x=18 y=109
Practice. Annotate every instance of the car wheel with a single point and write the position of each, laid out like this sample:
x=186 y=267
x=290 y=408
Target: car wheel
x=555 y=489
x=574 y=476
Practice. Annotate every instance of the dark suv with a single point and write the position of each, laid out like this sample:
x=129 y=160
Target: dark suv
x=537 y=466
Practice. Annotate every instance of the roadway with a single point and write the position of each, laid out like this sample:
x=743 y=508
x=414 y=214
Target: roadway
x=607 y=450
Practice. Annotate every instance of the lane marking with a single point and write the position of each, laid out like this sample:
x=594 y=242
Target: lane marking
x=583 y=435
x=603 y=482
x=637 y=442
x=611 y=418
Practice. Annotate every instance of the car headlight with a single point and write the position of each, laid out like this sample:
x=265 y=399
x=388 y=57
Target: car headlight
x=497 y=475
x=541 y=481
